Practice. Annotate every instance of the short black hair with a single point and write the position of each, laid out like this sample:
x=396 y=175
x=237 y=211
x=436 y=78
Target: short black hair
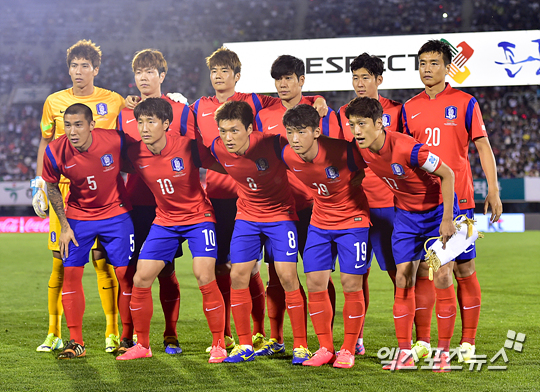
x=154 y=107
x=373 y=64
x=364 y=107
x=80 y=108
x=287 y=65
x=437 y=46
x=235 y=110
x=301 y=116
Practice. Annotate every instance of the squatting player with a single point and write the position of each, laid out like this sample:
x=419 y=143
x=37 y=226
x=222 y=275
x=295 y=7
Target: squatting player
x=447 y=120
x=339 y=226
x=83 y=61
x=424 y=208
x=169 y=166
x=97 y=207
x=150 y=68
x=265 y=216
x=366 y=78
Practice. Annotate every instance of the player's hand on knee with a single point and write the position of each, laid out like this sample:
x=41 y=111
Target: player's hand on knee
x=177 y=97
x=40 y=201
x=66 y=236
x=131 y=101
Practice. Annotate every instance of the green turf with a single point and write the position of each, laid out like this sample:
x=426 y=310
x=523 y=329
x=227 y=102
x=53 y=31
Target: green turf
x=508 y=270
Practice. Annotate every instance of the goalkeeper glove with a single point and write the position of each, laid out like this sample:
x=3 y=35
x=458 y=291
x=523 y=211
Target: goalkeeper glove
x=40 y=201
x=177 y=97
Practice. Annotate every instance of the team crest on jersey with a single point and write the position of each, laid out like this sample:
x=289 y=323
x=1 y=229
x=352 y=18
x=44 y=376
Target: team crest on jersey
x=107 y=160
x=450 y=112
x=386 y=120
x=177 y=164
x=332 y=172
x=397 y=169
x=101 y=109
x=262 y=164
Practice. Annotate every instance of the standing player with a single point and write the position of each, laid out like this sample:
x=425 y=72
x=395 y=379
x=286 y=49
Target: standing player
x=150 y=69
x=447 y=120
x=83 y=60
x=169 y=165
x=97 y=207
x=424 y=209
x=225 y=66
x=366 y=78
x=288 y=73
x=339 y=226
x=265 y=216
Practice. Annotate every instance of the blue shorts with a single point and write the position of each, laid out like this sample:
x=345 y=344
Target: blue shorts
x=279 y=238
x=470 y=252
x=162 y=241
x=412 y=229
x=380 y=237
x=225 y=212
x=115 y=234
x=142 y=217
x=322 y=247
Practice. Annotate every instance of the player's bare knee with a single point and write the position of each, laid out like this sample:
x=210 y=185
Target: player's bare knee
x=351 y=283
x=464 y=268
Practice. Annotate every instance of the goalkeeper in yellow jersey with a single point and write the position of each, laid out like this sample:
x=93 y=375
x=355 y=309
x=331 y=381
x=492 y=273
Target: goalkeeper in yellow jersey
x=83 y=61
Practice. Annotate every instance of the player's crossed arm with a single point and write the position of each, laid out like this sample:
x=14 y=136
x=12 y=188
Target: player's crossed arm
x=66 y=234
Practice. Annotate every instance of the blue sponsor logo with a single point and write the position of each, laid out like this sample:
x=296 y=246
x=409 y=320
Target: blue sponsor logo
x=101 y=109
x=386 y=120
x=450 y=112
x=397 y=169
x=53 y=236
x=432 y=159
x=177 y=164
x=332 y=172
x=107 y=160
x=262 y=164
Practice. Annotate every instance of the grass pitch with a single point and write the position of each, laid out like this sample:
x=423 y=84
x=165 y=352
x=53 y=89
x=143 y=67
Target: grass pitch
x=508 y=270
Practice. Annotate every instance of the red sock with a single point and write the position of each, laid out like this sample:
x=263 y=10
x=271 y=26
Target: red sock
x=404 y=305
x=169 y=295
x=214 y=310
x=332 y=295
x=142 y=309
x=320 y=311
x=445 y=307
x=256 y=289
x=353 y=318
x=124 y=275
x=241 y=309
x=224 y=284
x=425 y=300
x=297 y=311
x=470 y=298
x=275 y=301
x=365 y=289
x=73 y=302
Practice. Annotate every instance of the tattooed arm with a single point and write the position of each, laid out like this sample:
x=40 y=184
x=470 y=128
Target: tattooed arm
x=66 y=234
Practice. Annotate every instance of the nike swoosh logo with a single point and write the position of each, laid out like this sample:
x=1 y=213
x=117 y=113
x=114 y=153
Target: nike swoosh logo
x=124 y=293
x=417 y=114
x=353 y=317
x=128 y=121
x=209 y=249
x=296 y=170
x=398 y=317
x=207 y=114
x=257 y=296
x=69 y=292
x=313 y=314
x=233 y=305
x=420 y=308
x=69 y=167
x=228 y=165
x=209 y=310
x=292 y=307
x=447 y=317
x=470 y=307
x=359 y=266
x=467 y=251
x=108 y=288
x=291 y=253
x=130 y=308
x=62 y=111
x=269 y=128
x=142 y=167
x=172 y=300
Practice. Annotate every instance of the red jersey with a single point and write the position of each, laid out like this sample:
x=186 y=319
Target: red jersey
x=183 y=123
x=447 y=124
x=378 y=194
x=96 y=188
x=338 y=204
x=264 y=194
x=399 y=164
x=173 y=177
x=221 y=186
